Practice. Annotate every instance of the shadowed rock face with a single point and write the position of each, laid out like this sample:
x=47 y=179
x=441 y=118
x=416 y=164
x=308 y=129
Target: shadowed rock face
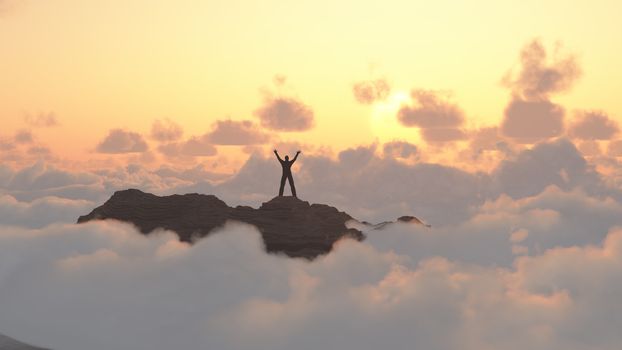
x=288 y=225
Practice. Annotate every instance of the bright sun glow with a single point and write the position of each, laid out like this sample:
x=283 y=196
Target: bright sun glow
x=384 y=121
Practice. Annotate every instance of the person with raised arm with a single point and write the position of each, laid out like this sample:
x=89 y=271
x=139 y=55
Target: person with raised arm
x=287 y=172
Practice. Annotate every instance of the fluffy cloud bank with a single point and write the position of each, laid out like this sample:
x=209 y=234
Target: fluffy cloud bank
x=118 y=289
x=532 y=247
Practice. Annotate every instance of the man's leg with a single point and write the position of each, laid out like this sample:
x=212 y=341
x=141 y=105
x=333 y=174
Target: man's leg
x=291 y=184
x=282 y=185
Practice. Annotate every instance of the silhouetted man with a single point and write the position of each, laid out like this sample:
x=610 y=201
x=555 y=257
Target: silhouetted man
x=287 y=173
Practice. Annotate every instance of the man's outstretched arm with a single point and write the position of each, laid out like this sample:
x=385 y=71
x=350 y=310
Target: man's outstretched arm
x=296 y=156
x=277 y=156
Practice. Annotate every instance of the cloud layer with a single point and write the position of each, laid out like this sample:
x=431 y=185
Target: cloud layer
x=532 y=247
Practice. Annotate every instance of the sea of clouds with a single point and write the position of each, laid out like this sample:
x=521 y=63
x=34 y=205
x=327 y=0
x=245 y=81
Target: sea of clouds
x=528 y=256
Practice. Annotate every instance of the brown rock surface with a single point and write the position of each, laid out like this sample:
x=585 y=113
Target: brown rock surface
x=288 y=225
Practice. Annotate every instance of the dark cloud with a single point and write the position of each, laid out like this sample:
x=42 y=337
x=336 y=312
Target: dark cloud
x=285 y=114
x=531 y=116
x=24 y=137
x=42 y=120
x=198 y=146
x=356 y=158
x=399 y=149
x=367 y=92
x=556 y=163
x=229 y=132
x=166 y=131
x=121 y=141
x=430 y=110
x=593 y=126
x=531 y=121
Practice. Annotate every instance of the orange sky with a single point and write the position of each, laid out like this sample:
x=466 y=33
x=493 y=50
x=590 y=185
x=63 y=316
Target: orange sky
x=99 y=65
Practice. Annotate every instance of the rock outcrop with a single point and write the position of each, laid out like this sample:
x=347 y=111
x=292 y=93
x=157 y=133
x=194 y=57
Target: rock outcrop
x=287 y=224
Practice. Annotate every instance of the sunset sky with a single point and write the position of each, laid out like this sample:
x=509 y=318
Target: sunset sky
x=494 y=122
x=102 y=65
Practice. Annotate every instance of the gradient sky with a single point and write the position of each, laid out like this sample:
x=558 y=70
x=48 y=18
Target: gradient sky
x=99 y=65
x=495 y=122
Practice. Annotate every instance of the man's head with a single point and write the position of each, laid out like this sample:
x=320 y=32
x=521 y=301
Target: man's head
x=286 y=157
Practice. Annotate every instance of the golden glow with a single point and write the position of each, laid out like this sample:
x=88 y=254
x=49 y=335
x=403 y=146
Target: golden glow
x=385 y=125
x=107 y=64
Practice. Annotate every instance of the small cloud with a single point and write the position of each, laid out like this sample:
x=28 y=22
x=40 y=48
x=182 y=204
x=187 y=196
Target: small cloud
x=166 y=131
x=531 y=121
x=399 y=149
x=229 y=132
x=24 y=137
x=46 y=120
x=121 y=141
x=430 y=110
x=285 y=114
x=593 y=126
x=279 y=79
x=540 y=76
x=193 y=147
x=367 y=92
x=531 y=116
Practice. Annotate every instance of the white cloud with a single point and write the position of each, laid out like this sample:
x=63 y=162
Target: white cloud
x=42 y=211
x=109 y=284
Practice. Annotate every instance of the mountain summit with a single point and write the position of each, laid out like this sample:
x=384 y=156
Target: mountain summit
x=287 y=224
